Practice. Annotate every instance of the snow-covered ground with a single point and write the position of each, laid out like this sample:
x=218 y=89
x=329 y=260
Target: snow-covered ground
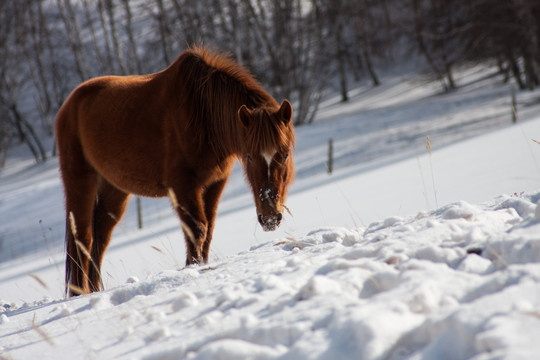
x=400 y=253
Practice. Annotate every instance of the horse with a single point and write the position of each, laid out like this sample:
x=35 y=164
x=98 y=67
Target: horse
x=176 y=133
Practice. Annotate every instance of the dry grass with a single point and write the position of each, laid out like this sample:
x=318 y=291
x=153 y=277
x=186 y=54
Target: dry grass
x=81 y=248
x=176 y=206
x=40 y=332
x=158 y=250
x=39 y=280
x=76 y=290
x=428 y=148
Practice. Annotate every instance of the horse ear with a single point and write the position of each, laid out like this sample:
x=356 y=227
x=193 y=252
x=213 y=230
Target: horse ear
x=285 y=111
x=245 y=115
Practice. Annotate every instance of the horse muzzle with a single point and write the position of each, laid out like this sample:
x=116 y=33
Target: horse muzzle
x=270 y=222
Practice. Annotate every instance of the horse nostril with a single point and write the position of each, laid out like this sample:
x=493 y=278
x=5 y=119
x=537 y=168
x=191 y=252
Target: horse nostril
x=279 y=217
x=260 y=219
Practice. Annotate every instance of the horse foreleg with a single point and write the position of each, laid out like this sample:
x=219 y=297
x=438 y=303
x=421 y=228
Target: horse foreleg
x=189 y=206
x=211 y=200
x=110 y=207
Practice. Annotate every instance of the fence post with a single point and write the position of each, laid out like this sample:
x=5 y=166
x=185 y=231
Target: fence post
x=514 y=106
x=139 y=213
x=330 y=163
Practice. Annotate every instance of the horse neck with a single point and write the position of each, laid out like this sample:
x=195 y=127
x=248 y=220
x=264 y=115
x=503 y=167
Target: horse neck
x=217 y=102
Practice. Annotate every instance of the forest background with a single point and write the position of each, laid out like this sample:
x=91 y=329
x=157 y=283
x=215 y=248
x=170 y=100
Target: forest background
x=298 y=49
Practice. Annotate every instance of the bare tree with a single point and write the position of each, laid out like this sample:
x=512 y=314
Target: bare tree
x=6 y=26
x=365 y=29
x=190 y=20
x=293 y=68
x=89 y=25
x=106 y=37
x=14 y=79
x=428 y=32
x=161 y=17
x=5 y=136
x=119 y=58
x=133 y=54
x=507 y=31
x=51 y=52
x=294 y=47
x=73 y=32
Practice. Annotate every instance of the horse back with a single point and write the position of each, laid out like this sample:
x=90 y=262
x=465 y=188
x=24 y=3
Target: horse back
x=120 y=125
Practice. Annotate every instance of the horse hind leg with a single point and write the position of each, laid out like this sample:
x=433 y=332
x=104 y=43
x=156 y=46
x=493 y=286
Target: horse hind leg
x=109 y=209
x=81 y=190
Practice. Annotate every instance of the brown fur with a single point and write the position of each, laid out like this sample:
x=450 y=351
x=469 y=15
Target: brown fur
x=178 y=130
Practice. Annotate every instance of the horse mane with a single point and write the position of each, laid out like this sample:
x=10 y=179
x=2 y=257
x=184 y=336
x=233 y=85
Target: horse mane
x=266 y=136
x=213 y=87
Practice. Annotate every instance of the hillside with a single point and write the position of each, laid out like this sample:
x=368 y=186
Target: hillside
x=400 y=253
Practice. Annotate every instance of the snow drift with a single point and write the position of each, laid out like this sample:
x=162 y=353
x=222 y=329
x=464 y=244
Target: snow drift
x=459 y=282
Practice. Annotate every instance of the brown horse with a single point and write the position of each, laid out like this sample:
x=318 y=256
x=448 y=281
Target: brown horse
x=174 y=133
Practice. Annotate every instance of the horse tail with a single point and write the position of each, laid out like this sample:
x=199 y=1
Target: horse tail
x=72 y=256
x=69 y=261
x=94 y=224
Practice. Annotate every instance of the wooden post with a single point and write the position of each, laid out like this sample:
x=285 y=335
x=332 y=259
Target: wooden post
x=139 y=212
x=514 y=106
x=330 y=163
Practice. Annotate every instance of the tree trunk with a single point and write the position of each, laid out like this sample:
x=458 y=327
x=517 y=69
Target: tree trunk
x=131 y=40
x=90 y=25
x=161 y=17
x=418 y=32
x=106 y=35
x=73 y=32
x=109 y=7
x=29 y=135
x=341 y=63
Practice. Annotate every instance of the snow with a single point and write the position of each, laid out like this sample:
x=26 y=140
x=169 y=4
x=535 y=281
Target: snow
x=401 y=253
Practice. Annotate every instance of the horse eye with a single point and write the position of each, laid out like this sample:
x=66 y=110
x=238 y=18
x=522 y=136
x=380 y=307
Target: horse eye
x=286 y=156
x=249 y=158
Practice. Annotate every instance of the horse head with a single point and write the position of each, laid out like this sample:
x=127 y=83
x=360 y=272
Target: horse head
x=267 y=159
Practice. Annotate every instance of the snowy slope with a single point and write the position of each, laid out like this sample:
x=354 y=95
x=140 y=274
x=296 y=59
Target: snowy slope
x=398 y=254
x=379 y=127
x=459 y=282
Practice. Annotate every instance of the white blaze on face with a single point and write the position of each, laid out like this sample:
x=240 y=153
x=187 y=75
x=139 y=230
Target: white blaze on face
x=268 y=157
